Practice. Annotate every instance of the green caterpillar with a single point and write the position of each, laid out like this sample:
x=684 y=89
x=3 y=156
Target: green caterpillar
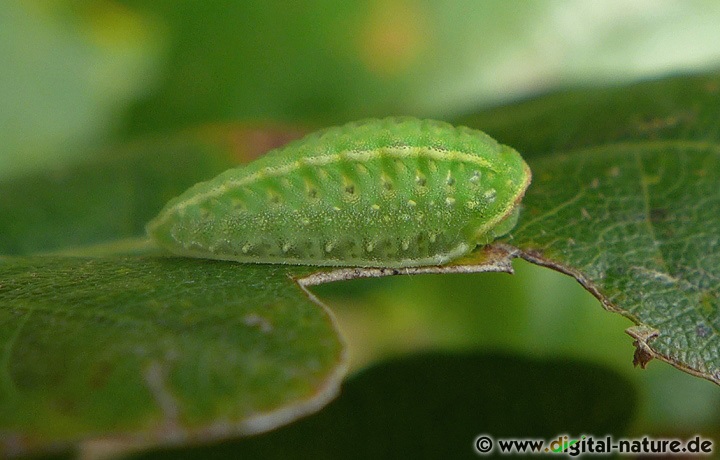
x=395 y=192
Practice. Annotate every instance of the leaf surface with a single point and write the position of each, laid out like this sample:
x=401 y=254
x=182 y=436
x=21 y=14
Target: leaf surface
x=153 y=349
x=625 y=199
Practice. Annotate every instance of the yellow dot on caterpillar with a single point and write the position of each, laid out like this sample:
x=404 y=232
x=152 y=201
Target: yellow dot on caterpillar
x=490 y=195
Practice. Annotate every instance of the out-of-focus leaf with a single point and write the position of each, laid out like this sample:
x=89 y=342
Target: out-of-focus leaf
x=436 y=405
x=156 y=350
x=334 y=61
x=67 y=69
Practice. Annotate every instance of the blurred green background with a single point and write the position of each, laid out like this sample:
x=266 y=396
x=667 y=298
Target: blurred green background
x=80 y=76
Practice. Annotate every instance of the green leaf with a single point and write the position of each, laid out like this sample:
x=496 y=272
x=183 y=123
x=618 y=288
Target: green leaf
x=148 y=349
x=436 y=405
x=625 y=199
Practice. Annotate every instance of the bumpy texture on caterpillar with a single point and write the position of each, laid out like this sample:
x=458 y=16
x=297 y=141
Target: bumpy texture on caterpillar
x=395 y=192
